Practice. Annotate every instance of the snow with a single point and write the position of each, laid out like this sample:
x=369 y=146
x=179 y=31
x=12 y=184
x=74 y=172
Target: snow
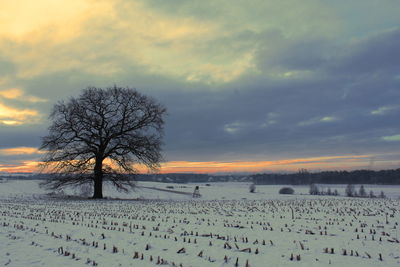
x=262 y=228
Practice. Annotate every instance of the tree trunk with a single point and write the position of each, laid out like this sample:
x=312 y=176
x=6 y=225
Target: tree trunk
x=98 y=179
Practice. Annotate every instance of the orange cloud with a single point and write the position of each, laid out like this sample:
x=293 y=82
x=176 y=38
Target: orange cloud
x=12 y=93
x=19 y=151
x=26 y=166
x=59 y=18
x=15 y=116
x=18 y=94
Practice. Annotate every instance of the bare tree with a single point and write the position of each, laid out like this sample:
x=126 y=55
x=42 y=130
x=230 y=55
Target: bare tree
x=314 y=190
x=329 y=192
x=100 y=135
x=362 y=192
x=350 y=190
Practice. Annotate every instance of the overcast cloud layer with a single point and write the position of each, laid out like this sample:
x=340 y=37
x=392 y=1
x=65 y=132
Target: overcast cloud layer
x=242 y=81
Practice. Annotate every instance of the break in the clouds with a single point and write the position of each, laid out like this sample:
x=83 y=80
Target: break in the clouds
x=13 y=110
x=258 y=81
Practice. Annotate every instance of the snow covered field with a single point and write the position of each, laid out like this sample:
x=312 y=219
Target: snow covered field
x=227 y=225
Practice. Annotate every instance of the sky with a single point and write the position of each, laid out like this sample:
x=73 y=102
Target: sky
x=250 y=86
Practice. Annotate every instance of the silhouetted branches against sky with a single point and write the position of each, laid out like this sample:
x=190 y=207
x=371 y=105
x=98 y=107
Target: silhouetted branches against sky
x=114 y=128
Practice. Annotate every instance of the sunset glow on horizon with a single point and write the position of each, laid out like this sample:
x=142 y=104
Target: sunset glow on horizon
x=345 y=162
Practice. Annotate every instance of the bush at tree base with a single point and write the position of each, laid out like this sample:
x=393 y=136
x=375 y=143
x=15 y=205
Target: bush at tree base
x=286 y=191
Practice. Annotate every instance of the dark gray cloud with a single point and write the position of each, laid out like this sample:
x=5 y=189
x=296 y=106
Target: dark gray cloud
x=335 y=101
x=377 y=54
x=21 y=136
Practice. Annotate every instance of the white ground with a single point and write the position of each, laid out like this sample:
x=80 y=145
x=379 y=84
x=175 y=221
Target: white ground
x=263 y=229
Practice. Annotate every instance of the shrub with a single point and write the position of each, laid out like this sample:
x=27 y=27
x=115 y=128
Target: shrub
x=286 y=191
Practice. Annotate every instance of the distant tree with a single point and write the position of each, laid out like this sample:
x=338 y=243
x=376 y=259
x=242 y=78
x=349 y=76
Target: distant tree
x=100 y=135
x=382 y=195
x=350 y=191
x=335 y=193
x=371 y=194
x=252 y=188
x=329 y=192
x=362 y=192
x=314 y=189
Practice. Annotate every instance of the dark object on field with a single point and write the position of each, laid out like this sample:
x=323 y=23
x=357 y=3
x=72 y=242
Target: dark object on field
x=252 y=188
x=196 y=193
x=286 y=191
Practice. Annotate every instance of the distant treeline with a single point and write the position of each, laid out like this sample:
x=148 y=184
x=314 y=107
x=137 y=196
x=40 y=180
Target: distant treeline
x=299 y=178
x=331 y=177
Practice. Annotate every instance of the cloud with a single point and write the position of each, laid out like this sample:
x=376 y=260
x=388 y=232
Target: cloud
x=12 y=114
x=11 y=93
x=16 y=116
x=328 y=119
x=19 y=151
x=19 y=166
x=18 y=94
x=35 y=37
x=392 y=138
x=271 y=119
x=384 y=110
x=24 y=135
x=320 y=57
x=375 y=53
x=234 y=127
x=6 y=68
x=101 y=37
x=201 y=115
x=19 y=159
x=325 y=119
